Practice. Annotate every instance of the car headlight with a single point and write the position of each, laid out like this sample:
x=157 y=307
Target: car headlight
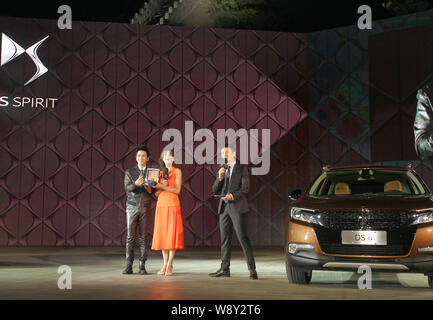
x=306 y=215
x=419 y=217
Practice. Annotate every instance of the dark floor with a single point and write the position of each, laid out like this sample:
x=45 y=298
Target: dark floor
x=31 y=273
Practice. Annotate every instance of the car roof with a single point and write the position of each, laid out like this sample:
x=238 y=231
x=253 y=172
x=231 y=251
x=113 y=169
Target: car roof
x=372 y=167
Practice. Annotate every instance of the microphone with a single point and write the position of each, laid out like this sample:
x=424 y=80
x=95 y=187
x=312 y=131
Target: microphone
x=165 y=173
x=225 y=165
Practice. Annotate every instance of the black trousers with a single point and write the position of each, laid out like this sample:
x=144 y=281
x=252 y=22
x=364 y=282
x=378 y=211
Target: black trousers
x=136 y=218
x=234 y=220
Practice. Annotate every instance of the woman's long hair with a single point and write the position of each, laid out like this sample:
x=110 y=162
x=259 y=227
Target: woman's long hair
x=161 y=162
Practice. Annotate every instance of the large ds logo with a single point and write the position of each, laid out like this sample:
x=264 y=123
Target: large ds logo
x=10 y=50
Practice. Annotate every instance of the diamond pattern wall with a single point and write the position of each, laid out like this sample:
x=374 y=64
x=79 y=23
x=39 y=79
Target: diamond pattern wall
x=120 y=86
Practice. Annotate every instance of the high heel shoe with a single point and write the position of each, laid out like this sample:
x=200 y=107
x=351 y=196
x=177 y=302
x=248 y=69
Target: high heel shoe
x=169 y=273
x=162 y=271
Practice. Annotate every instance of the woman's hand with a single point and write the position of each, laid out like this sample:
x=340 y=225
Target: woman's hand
x=159 y=186
x=155 y=185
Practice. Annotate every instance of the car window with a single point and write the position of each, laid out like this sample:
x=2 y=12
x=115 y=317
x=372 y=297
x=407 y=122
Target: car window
x=367 y=181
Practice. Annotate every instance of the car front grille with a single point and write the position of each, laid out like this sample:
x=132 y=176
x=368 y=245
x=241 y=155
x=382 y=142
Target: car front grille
x=396 y=224
x=369 y=220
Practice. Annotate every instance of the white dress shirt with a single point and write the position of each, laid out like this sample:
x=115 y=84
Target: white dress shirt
x=141 y=169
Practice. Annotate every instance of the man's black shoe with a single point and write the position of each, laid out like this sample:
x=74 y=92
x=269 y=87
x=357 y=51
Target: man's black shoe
x=253 y=275
x=128 y=269
x=220 y=273
x=142 y=268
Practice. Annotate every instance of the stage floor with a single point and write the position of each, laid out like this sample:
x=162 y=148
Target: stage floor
x=31 y=273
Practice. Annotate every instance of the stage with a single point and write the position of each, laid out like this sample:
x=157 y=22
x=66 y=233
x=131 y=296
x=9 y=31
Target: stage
x=31 y=273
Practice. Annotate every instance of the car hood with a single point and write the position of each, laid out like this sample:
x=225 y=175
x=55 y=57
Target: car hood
x=353 y=202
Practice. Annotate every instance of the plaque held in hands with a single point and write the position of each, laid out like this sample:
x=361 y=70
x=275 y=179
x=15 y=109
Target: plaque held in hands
x=152 y=177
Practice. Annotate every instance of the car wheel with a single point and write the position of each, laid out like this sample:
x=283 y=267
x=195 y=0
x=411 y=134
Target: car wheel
x=430 y=281
x=294 y=275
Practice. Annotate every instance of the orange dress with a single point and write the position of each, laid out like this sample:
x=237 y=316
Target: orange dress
x=168 y=228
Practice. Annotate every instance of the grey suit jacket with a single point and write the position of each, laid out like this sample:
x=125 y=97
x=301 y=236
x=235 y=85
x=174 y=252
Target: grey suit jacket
x=136 y=196
x=239 y=188
x=423 y=124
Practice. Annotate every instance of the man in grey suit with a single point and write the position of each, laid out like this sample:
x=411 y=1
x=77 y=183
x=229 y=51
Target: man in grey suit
x=139 y=198
x=233 y=183
x=423 y=124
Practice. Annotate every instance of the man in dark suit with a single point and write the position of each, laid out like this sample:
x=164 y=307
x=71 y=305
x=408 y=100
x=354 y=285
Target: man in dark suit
x=139 y=198
x=233 y=183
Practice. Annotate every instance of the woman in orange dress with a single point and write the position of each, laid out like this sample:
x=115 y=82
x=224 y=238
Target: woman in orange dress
x=168 y=229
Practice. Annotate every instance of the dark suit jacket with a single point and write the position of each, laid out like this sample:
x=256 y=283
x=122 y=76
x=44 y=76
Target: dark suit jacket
x=423 y=124
x=239 y=188
x=136 y=196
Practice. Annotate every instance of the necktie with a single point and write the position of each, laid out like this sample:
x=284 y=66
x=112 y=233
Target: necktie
x=227 y=182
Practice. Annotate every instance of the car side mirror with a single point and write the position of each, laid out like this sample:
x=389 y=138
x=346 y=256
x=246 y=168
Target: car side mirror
x=295 y=194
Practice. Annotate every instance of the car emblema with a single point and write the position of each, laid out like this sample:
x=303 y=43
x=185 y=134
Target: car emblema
x=377 y=216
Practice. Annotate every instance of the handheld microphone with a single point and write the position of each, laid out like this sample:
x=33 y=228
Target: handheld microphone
x=165 y=173
x=225 y=165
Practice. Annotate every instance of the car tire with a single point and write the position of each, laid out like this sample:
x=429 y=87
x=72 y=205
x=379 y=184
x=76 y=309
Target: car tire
x=294 y=275
x=430 y=281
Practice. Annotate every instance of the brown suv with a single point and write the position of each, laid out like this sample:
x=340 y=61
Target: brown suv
x=352 y=216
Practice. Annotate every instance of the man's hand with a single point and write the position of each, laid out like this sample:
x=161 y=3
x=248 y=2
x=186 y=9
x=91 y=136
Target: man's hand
x=139 y=182
x=221 y=173
x=228 y=197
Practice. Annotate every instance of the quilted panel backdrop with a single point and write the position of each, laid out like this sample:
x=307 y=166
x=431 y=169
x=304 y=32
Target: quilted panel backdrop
x=121 y=85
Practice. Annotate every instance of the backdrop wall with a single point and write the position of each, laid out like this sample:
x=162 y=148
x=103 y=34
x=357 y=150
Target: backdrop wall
x=121 y=85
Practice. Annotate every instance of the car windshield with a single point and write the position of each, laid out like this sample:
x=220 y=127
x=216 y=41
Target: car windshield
x=367 y=181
